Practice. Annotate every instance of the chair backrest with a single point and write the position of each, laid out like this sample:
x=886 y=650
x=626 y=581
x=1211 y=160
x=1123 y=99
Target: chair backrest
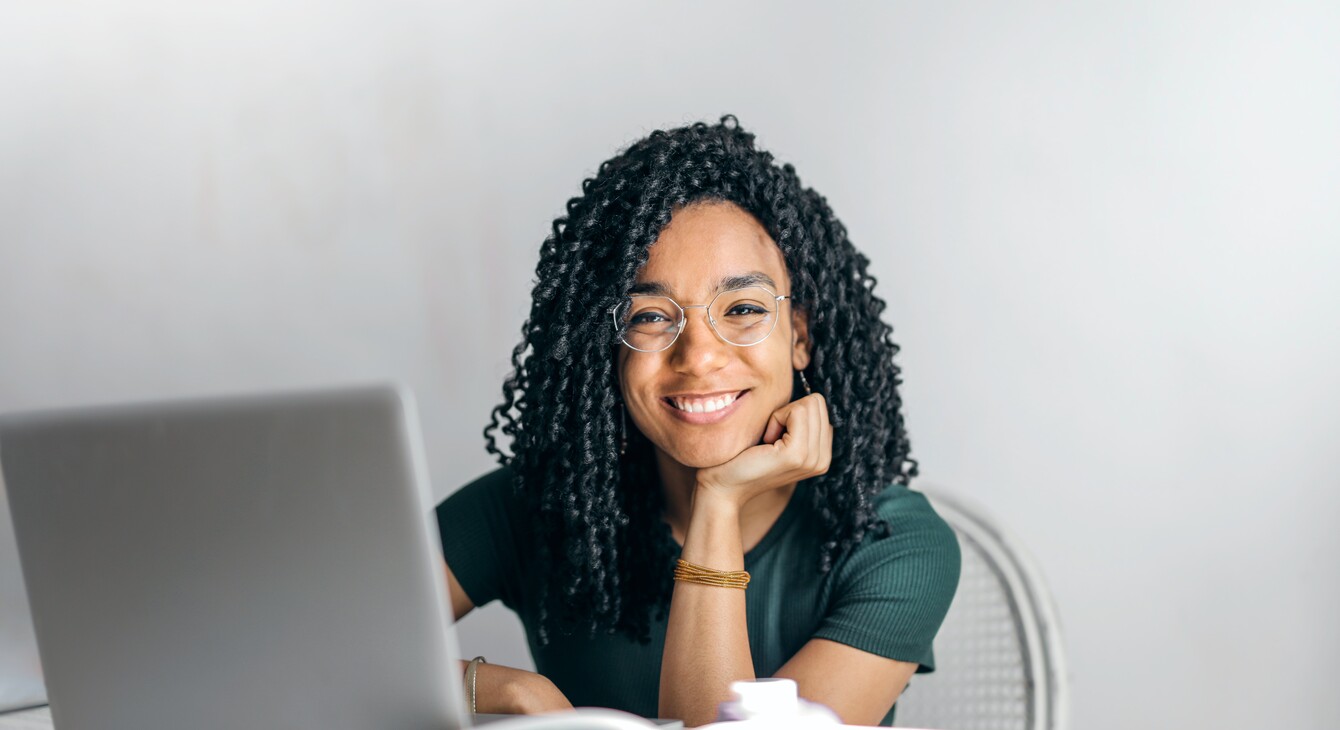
x=999 y=660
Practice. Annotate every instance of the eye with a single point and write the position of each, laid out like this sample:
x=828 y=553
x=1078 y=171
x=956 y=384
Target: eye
x=746 y=309
x=647 y=318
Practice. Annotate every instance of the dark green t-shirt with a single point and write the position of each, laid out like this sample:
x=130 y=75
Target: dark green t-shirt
x=888 y=596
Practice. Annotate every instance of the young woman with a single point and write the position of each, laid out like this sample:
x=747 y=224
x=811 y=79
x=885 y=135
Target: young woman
x=707 y=478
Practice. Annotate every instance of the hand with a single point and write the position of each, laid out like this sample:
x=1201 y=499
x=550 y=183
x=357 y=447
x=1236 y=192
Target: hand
x=504 y=690
x=797 y=444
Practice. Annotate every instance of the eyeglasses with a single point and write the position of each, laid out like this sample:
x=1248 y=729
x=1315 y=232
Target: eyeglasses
x=742 y=317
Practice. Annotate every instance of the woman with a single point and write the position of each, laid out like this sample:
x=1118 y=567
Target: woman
x=708 y=471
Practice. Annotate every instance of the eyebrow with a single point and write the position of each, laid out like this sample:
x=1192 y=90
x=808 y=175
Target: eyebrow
x=735 y=281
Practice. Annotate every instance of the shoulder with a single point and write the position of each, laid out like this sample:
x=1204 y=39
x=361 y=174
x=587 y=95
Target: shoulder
x=484 y=538
x=911 y=514
x=497 y=487
x=488 y=505
x=891 y=592
x=920 y=547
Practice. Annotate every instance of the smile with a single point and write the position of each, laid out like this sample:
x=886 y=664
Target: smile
x=704 y=409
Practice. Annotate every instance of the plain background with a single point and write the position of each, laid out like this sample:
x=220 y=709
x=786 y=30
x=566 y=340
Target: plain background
x=1109 y=237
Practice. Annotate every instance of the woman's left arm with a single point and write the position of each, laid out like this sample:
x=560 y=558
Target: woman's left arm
x=707 y=643
x=706 y=638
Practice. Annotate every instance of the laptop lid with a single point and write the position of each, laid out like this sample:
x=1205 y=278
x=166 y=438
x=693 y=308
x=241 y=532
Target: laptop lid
x=249 y=562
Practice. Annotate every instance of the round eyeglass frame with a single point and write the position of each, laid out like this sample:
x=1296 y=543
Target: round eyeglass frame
x=684 y=317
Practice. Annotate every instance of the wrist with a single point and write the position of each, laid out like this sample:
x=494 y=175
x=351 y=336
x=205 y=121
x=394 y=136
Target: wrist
x=530 y=694
x=713 y=538
x=712 y=500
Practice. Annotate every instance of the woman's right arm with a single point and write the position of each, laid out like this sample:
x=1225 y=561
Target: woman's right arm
x=500 y=689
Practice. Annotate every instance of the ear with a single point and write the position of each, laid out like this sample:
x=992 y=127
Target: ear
x=800 y=338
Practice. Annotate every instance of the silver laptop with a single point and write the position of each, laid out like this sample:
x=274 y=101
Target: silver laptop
x=227 y=563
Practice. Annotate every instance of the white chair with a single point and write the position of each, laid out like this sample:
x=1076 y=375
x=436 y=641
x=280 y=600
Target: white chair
x=999 y=659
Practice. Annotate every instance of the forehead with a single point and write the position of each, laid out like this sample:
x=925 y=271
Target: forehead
x=707 y=245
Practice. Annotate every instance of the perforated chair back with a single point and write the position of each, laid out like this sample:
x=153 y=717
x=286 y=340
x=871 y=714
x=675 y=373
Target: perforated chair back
x=999 y=660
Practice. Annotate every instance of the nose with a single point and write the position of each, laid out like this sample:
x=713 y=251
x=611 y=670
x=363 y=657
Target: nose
x=698 y=350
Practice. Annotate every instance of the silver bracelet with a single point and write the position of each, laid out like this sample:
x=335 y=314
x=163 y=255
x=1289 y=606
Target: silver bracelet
x=470 y=680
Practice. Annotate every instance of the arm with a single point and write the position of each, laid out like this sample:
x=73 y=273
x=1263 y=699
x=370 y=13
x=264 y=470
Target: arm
x=890 y=599
x=504 y=690
x=500 y=689
x=707 y=643
x=859 y=686
x=707 y=639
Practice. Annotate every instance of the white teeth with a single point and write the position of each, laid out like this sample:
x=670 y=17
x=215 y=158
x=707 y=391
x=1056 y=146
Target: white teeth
x=707 y=405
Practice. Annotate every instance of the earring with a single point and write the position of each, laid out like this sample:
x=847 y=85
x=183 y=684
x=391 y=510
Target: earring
x=805 y=383
x=623 y=430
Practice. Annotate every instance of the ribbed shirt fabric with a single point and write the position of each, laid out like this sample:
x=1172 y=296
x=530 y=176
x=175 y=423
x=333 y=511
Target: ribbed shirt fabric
x=888 y=596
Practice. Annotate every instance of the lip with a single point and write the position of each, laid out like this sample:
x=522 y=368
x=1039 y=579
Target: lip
x=702 y=419
x=712 y=394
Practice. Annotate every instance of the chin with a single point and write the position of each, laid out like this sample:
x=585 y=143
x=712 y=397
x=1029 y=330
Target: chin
x=712 y=454
x=704 y=461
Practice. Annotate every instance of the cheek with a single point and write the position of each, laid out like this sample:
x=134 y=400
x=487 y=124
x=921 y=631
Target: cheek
x=775 y=374
x=635 y=387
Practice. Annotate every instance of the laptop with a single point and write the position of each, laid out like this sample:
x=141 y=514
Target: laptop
x=246 y=562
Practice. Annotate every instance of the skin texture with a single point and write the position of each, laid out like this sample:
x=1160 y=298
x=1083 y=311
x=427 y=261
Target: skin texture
x=725 y=484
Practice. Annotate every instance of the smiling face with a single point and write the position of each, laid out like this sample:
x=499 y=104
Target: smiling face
x=702 y=401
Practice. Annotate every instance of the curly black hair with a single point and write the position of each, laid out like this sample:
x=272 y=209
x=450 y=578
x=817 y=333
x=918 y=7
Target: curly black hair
x=603 y=544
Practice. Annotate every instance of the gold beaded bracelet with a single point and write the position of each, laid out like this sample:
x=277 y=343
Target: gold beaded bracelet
x=691 y=573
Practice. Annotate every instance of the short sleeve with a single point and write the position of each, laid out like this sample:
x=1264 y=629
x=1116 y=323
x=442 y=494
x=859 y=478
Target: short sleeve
x=480 y=538
x=891 y=593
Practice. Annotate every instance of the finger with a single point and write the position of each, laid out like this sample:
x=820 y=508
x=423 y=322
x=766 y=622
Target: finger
x=826 y=442
x=817 y=418
x=823 y=408
x=773 y=430
x=808 y=409
x=778 y=425
x=796 y=439
x=826 y=450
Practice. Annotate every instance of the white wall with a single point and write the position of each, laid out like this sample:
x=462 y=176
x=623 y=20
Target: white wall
x=1108 y=236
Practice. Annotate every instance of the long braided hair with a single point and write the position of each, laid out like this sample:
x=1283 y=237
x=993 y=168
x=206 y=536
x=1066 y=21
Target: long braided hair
x=603 y=545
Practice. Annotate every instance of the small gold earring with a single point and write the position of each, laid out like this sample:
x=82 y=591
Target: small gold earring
x=805 y=383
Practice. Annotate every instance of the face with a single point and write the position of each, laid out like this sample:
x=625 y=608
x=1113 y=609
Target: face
x=703 y=245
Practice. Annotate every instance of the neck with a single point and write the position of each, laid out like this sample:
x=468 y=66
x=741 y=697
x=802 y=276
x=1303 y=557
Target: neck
x=678 y=483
